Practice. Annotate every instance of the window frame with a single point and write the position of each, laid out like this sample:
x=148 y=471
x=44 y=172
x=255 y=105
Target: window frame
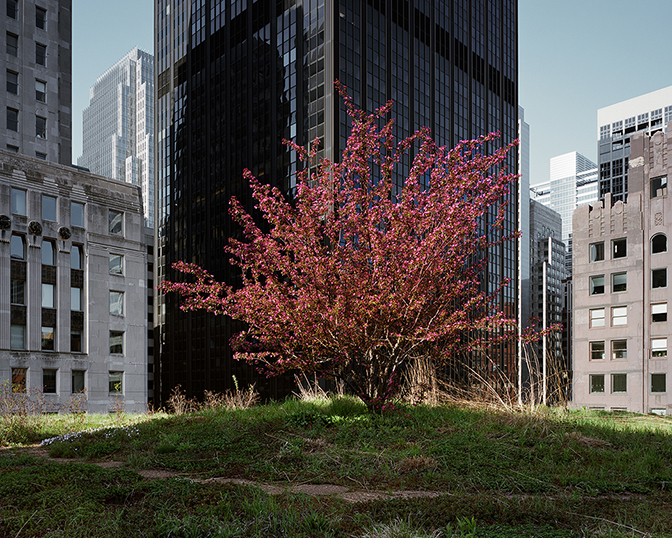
x=663 y=271
x=117 y=303
x=596 y=254
x=40 y=54
x=48 y=338
x=617 y=310
x=112 y=217
x=658 y=236
x=614 y=350
x=594 y=288
x=659 y=347
x=613 y=284
x=619 y=376
x=113 y=270
x=12 y=86
x=594 y=349
x=593 y=387
x=651 y=382
x=45 y=387
x=661 y=312
x=113 y=347
x=614 y=246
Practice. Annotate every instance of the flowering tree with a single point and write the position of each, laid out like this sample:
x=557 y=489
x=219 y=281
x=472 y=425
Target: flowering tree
x=353 y=281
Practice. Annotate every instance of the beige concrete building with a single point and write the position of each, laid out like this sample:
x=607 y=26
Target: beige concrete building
x=621 y=293
x=74 y=315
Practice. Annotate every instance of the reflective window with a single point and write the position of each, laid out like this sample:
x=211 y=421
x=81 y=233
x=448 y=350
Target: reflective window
x=597 y=285
x=76 y=299
x=116 y=342
x=115 y=382
x=117 y=303
x=48 y=338
x=47 y=295
x=47 y=253
x=18 y=201
x=116 y=264
x=116 y=219
x=17 y=338
x=18 y=247
x=597 y=252
x=48 y=207
x=19 y=378
x=18 y=292
x=77 y=214
x=76 y=257
x=78 y=381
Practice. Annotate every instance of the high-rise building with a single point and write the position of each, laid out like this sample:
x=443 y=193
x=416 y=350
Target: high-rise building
x=573 y=182
x=37 y=79
x=235 y=78
x=118 y=139
x=621 y=295
x=616 y=124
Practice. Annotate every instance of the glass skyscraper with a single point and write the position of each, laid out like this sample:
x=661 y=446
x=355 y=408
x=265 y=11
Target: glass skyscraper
x=235 y=77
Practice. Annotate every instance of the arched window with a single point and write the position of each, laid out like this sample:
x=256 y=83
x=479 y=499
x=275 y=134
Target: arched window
x=658 y=243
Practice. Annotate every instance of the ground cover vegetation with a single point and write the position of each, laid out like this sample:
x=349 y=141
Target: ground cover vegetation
x=495 y=473
x=363 y=272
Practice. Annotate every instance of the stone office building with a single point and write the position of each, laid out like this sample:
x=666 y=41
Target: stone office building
x=73 y=286
x=621 y=292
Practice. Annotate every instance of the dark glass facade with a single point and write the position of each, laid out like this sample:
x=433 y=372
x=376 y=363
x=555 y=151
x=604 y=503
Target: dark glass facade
x=235 y=77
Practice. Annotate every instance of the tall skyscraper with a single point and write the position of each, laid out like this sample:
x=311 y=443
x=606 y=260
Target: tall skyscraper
x=616 y=123
x=573 y=182
x=119 y=126
x=235 y=78
x=37 y=79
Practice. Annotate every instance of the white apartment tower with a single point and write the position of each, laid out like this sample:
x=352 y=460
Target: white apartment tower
x=118 y=139
x=573 y=182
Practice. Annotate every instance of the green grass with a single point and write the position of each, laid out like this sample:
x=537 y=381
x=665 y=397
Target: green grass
x=549 y=474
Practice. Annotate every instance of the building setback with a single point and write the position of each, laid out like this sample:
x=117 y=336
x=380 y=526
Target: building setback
x=621 y=292
x=73 y=287
x=118 y=132
x=235 y=78
x=37 y=79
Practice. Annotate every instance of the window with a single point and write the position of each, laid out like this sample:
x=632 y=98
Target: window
x=596 y=383
x=13 y=149
x=48 y=339
x=619 y=383
x=12 y=44
x=658 y=383
x=658 y=244
x=48 y=207
x=40 y=127
x=19 y=376
x=77 y=214
x=658 y=347
x=597 y=317
x=596 y=351
x=12 y=9
x=116 y=264
x=116 y=342
x=40 y=18
x=116 y=222
x=47 y=295
x=619 y=315
x=78 y=381
x=18 y=247
x=619 y=349
x=619 y=248
x=76 y=341
x=17 y=338
x=597 y=252
x=18 y=292
x=76 y=257
x=597 y=285
x=47 y=253
x=42 y=156
x=18 y=201
x=659 y=312
x=117 y=303
x=13 y=82
x=40 y=54
x=76 y=299
x=658 y=186
x=49 y=381
x=12 y=120
x=659 y=278
x=41 y=91
x=619 y=282
x=116 y=386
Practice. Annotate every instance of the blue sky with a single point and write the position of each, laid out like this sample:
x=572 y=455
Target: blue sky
x=575 y=56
